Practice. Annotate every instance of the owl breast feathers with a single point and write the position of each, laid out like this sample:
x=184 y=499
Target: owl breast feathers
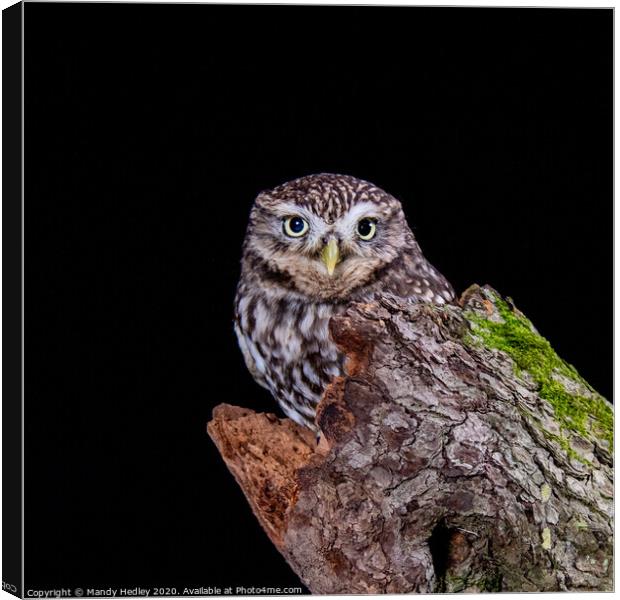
x=312 y=246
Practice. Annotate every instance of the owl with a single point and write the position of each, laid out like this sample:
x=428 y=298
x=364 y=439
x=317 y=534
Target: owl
x=312 y=246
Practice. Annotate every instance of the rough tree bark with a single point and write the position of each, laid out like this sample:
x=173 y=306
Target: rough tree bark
x=458 y=454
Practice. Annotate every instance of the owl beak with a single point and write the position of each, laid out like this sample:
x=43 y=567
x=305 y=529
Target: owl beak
x=331 y=256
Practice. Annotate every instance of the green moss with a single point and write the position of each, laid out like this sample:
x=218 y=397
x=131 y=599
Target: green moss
x=581 y=525
x=545 y=537
x=451 y=584
x=588 y=416
x=564 y=443
x=490 y=581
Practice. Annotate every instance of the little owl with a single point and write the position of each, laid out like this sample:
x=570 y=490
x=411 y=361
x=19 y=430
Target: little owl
x=312 y=246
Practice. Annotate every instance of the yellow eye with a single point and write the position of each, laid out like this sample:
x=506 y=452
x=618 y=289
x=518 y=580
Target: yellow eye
x=295 y=226
x=366 y=229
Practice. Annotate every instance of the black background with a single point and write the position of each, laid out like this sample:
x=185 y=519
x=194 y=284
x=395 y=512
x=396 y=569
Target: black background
x=149 y=131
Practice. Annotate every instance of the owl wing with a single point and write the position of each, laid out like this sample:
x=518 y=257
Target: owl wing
x=412 y=276
x=253 y=360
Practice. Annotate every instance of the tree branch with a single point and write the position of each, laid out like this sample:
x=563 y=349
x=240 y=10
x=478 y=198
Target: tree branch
x=458 y=454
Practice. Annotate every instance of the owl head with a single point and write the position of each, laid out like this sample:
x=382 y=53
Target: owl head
x=322 y=236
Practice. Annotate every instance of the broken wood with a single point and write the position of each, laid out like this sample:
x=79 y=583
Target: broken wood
x=459 y=453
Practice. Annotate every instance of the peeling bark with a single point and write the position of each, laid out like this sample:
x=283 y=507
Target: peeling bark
x=442 y=465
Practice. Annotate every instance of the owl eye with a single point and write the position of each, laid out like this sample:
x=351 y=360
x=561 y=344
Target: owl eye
x=366 y=229
x=295 y=226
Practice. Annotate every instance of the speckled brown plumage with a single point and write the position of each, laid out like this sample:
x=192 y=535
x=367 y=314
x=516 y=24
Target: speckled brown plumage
x=286 y=294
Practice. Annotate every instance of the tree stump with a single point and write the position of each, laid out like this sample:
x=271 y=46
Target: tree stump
x=459 y=453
